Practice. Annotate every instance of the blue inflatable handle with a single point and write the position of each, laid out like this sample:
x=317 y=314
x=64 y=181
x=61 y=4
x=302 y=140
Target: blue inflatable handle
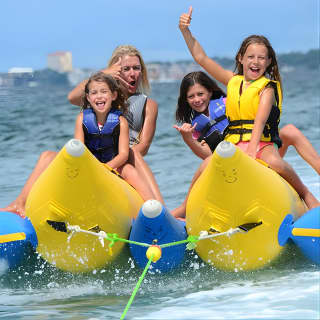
x=160 y=228
x=305 y=233
x=16 y=234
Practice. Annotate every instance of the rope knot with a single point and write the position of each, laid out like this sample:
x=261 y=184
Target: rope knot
x=192 y=242
x=113 y=238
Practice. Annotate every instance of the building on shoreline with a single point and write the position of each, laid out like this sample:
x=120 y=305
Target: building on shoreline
x=60 y=61
x=17 y=76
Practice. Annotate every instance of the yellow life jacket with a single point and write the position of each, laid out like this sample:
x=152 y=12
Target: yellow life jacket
x=241 y=110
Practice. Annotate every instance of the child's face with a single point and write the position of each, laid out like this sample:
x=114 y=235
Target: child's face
x=131 y=72
x=198 y=98
x=255 y=61
x=100 y=97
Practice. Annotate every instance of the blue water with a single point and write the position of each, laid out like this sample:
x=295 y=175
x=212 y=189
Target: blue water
x=37 y=119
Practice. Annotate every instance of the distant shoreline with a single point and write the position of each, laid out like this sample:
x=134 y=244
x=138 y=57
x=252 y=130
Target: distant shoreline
x=159 y=71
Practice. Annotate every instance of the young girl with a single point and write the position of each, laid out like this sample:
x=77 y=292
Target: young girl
x=101 y=125
x=103 y=109
x=201 y=111
x=200 y=95
x=254 y=101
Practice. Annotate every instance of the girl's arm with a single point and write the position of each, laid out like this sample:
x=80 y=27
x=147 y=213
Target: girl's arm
x=148 y=129
x=267 y=99
x=78 y=130
x=213 y=68
x=123 y=153
x=199 y=149
x=75 y=96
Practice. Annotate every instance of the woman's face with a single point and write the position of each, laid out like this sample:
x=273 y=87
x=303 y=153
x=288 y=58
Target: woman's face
x=198 y=98
x=131 y=72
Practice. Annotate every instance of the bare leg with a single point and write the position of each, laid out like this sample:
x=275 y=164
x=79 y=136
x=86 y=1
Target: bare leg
x=18 y=205
x=145 y=173
x=271 y=156
x=292 y=136
x=131 y=175
x=180 y=212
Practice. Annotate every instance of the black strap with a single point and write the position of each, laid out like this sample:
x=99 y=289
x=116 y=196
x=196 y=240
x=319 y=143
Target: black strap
x=275 y=88
x=218 y=119
x=266 y=131
x=239 y=131
x=236 y=123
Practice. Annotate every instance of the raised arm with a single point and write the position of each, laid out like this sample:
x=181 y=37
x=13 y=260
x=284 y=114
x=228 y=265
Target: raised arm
x=213 y=68
x=149 y=127
x=75 y=96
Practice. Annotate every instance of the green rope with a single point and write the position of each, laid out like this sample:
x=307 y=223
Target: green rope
x=190 y=239
x=136 y=288
x=113 y=238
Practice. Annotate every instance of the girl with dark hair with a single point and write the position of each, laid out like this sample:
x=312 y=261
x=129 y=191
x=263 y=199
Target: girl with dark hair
x=201 y=113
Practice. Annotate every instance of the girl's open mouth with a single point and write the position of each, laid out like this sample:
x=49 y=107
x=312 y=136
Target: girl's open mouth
x=100 y=105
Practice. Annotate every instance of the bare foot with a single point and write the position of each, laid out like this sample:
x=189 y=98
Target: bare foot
x=15 y=207
x=179 y=212
x=311 y=201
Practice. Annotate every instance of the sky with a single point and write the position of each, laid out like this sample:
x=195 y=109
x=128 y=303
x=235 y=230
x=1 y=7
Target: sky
x=30 y=30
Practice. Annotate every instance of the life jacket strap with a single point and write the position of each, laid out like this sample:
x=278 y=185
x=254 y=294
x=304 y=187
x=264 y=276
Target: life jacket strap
x=235 y=123
x=267 y=130
x=209 y=125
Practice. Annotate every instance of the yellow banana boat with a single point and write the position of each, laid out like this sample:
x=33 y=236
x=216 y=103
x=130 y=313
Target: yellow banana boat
x=76 y=189
x=235 y=190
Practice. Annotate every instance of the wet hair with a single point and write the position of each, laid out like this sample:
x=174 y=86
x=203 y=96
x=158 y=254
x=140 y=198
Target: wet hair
x=129 y=50
x=120 y=103
x=272 y=72
x=184 y=113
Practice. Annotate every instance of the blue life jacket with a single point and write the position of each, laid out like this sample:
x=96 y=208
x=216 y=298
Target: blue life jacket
x=102 y=143
x=212 y=128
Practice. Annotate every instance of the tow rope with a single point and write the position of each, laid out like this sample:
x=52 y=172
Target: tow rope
x=154 y=252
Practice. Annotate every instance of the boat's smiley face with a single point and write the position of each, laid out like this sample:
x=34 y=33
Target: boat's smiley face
x=72 y=172
x=230 y=176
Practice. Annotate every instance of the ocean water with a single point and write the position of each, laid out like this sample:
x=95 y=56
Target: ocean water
x=37 y=119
